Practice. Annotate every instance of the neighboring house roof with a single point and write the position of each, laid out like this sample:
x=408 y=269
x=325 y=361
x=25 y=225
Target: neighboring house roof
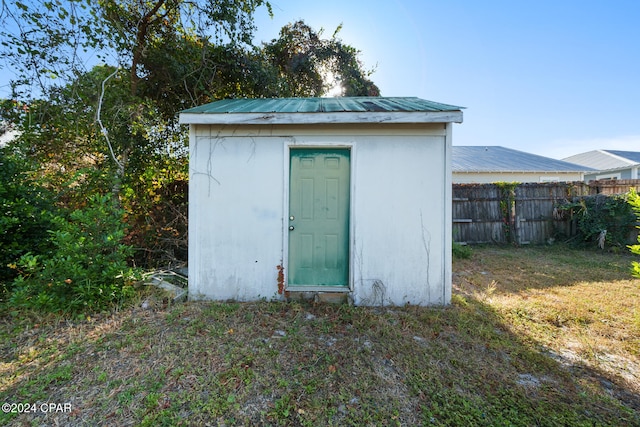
x=336 y=110
x=606 y=159
x=501 y=159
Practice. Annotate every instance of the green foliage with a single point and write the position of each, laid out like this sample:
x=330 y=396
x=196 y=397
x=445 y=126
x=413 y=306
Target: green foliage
x=25 y=207
x=461 y=251
x=157 y=212
x=303 y=60
x=507 y=206
x=42 y=40
x=634 y=202
x=87 y=269
x=602 y=219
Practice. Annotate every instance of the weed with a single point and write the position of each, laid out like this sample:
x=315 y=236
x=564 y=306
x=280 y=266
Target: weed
x=102 y=377
x=460 y=251
x=283 y=409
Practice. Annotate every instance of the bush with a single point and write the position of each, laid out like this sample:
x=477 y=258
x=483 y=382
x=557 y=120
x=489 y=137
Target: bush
x=603 y=219
x=634 y=202
x=26 y=210
x=86 y=271
x=461 y=251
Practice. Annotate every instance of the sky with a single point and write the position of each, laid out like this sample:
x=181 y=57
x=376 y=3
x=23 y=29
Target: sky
x=548 y=77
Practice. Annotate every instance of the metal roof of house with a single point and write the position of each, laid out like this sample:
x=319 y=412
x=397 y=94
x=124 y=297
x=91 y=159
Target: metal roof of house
x=501 y=159
x=606 y=159
x=632 y=156
x=323 y=110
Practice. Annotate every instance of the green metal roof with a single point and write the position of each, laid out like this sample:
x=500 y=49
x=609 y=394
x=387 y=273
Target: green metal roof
x=354 y=110
x=321 y=105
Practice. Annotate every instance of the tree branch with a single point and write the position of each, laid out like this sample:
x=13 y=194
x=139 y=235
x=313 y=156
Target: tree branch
x=103 y=129
x=141 y=34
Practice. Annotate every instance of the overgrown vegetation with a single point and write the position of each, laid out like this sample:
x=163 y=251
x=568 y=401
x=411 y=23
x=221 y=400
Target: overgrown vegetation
x=545 y=336
x=83 y=133
x=634 y=202
x=607 y=220
x=507 y=207
x=25 y=219
x=87 y=270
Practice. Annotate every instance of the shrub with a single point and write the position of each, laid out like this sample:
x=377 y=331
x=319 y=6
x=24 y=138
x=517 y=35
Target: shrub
x=634 y=202
x=26 y=208
x=461 y=251
x=86 y=271
x=603 y=219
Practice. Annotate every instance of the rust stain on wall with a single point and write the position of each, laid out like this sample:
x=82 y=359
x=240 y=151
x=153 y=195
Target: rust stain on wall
x=280 y=268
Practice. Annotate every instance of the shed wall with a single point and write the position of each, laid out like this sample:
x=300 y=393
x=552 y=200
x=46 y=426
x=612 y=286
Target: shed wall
x=401 y=232
x=399 y=235
x=235 y=216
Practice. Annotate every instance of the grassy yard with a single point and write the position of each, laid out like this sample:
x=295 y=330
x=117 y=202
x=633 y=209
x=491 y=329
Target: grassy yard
x=542 y=336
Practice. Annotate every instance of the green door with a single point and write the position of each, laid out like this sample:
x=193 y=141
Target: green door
x=319 y=217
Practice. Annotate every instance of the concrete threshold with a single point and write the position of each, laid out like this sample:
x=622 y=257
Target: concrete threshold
x=320 y=297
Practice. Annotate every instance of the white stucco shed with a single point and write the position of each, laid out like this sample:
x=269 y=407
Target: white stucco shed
x=321 y=195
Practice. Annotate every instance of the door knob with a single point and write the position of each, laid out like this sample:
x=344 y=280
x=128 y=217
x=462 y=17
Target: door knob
x=291 y=227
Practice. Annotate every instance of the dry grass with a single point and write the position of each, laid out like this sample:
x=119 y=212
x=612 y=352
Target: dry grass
x=582 y=306
x=535 y=336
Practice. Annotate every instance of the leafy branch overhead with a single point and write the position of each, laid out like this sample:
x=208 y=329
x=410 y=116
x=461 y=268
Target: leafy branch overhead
x=45 y=40
x=186 y=52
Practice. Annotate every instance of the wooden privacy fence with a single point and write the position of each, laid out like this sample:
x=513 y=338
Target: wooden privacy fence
x=521 y=213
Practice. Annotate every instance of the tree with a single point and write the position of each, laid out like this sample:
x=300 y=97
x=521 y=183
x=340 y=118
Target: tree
x=142 y=30
x=304 y=60
x=47 y=40
x=100 y=165
x=43 y=40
